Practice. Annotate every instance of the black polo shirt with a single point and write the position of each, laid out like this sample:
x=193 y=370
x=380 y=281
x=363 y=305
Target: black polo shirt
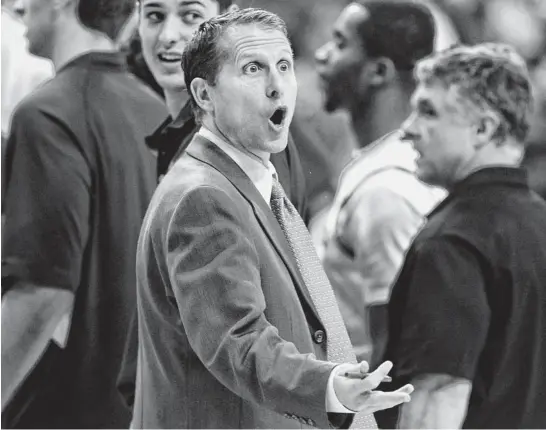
x=470 y=300
x=79 y=181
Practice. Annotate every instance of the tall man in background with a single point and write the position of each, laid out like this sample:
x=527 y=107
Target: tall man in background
x=380 y=204
x=467 y=317
x=79 y=179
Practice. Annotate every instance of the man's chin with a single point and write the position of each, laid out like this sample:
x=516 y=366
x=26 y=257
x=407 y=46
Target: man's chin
x=279 y=144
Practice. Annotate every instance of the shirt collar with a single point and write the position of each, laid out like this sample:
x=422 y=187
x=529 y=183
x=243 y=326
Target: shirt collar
x=261 y=175
x=112 y=61
x=172 y=130
x=510 y=176
x=513 y=177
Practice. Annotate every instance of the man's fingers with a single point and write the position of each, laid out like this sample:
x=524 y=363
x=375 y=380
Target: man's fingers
x=407 y=389
x=379 y=400
x=364 y=367
x=376 y=377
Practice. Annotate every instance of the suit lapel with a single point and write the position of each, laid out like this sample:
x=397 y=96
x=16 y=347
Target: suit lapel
x=210 y=154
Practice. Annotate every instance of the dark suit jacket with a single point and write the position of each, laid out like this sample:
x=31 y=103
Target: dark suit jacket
x=226 y=323
x=170 y=141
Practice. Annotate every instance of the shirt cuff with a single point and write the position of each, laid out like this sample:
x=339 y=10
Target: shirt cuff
x=332 y=402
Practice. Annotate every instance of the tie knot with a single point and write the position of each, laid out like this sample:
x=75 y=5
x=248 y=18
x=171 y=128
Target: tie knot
x=277 y=191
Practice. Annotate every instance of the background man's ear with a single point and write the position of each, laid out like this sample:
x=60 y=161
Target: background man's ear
x=200 y=91
x=486 y=128
x=382 y=71
x=232 y=8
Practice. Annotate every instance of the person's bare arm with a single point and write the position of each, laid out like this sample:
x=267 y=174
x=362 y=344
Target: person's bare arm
x=439 y=401
x=30 y=315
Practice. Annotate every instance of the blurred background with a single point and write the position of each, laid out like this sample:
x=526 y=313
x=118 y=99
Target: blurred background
x=521 y=23
x=325 y=139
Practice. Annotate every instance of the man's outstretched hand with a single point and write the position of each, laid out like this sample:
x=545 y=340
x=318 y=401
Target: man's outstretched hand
x=358 y=394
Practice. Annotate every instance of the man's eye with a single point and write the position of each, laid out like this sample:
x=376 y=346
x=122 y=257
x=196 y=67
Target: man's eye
x=427 y=111
x=155 y=17
x=340 y=44
x=192 y=18
x=284 y=66
x=252 y=68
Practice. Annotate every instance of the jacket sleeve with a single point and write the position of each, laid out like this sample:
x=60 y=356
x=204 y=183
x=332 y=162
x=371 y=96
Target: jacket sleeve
x=214 y=269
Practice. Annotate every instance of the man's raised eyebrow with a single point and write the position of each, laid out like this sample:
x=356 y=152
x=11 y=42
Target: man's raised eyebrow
x=190 y=3
x=246 y=55
x=180 y=3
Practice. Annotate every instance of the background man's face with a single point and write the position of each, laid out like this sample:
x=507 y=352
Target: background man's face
x=441 y=133
x=340 y=61
x=165 y=28
x=255 y=91
x=39 y=17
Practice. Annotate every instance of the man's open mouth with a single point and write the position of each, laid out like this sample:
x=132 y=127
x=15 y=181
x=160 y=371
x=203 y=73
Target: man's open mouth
x=278 y=116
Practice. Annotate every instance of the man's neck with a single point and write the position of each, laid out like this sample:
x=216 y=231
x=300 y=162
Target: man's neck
x=379 y=115
x=76 y=41
x=210 y=125
x=175 y=101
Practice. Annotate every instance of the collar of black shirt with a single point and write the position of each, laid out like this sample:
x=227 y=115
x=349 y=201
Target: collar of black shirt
x=171 y=131
x=512 y=177
x=113 y=61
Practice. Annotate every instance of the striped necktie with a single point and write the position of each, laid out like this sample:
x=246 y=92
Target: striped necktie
x=338 y=345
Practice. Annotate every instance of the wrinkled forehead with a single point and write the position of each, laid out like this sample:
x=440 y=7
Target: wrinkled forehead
x=251 y=39
x=206 y=4
x=432 y=91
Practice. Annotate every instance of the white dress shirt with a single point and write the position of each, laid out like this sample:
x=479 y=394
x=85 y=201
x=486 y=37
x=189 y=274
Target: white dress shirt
x=261 y=174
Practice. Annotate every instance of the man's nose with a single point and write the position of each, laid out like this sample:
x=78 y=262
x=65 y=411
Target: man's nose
x=274 y=85
x=409 y=131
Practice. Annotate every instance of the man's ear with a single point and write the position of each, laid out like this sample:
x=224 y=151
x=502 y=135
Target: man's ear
x=486 y=128
x=382 y=71
x=200 y=90
x=232 y=8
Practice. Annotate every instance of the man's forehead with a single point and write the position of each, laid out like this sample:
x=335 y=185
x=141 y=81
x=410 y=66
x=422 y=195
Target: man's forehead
x=254 y=37
x=428 y=91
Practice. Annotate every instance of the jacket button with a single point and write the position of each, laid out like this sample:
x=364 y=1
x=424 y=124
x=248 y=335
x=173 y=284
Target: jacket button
x=319 y=336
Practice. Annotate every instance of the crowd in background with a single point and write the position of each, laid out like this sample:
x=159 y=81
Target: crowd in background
x=327 y=139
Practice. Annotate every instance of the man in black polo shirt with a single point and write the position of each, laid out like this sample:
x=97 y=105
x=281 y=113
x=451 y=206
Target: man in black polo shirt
x=79 y=181
x=468 y=312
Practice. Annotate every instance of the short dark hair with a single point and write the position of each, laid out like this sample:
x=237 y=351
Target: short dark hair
x=224 y=4
x=203 y=57
x=489 y=77
x=106 y=16
x=402 y=31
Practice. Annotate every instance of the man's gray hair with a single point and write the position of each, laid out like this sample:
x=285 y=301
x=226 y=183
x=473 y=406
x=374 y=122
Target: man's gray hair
x=490 y=77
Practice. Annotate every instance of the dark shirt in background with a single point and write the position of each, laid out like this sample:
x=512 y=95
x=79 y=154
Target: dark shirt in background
x=79 y=181
x=470 y=301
